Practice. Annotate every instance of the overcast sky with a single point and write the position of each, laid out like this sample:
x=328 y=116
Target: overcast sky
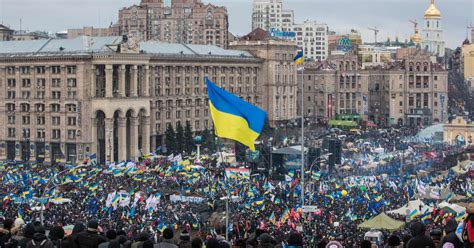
x=390 y=16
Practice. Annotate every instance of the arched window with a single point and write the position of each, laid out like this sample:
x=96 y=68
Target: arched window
x=411 y=66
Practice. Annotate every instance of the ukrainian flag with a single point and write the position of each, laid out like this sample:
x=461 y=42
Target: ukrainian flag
x=299 y=59
x=233 y=117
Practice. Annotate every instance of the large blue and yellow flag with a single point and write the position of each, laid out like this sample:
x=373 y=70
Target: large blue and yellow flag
x=233 y=117
x=299 y=59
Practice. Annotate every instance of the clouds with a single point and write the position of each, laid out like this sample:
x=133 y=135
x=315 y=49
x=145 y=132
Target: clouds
x=390 y=16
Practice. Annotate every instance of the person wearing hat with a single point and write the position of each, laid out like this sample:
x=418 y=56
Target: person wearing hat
x=468 y=227
x=420 y=239
x=167 y=239
x=40 y=239
x=90 y=237
x=295 y=240
x=184 y=239
x=394 y=242
x=450 y=229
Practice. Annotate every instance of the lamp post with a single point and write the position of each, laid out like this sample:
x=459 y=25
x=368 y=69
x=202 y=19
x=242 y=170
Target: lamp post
x=324 y=156
x=198 y=140
x=46 y=189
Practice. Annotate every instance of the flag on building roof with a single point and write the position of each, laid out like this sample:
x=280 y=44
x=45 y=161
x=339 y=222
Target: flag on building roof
x=299 y=59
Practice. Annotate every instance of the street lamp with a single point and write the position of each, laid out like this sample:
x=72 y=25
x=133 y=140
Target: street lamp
x=324 y=156
x=46 y=189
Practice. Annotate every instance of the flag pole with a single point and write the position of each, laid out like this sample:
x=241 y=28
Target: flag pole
x=302 y=135
x=226 y=190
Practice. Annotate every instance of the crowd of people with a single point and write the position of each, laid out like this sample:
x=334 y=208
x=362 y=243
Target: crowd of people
x=174 y=201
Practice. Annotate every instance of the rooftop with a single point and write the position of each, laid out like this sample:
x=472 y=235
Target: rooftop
x=86 y=44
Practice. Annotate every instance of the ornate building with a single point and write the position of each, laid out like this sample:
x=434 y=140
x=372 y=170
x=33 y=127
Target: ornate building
x=115 y=97
x=410 y=91
x=175 y=21
x=432 y=33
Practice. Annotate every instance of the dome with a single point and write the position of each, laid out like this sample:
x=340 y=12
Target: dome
x=416 y=38
x=432 y=12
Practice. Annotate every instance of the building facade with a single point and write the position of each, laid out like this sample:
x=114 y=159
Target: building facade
x=175 y=21
x=459 y=132
x=312 y=37
x=5 y=33
x=467 y=64
x=267 y=14
x=279 y=89
x=87 y=31
x=412 y=91
x=432 y=33
x=116 y=97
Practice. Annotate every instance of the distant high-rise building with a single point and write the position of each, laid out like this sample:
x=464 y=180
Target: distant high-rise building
x=176 y=21
x=268 y=14
x=432 y=33
x=312 y=37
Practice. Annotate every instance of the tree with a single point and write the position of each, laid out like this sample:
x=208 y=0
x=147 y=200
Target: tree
x=208 y=140
x=188 y=138
x=179 y=137
x=170 y=139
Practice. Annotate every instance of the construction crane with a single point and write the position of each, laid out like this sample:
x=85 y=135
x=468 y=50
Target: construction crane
x=376 y=31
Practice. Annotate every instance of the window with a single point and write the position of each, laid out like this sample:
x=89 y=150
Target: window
x=71 y=107
x=40 y=133
x=400 y=103
x=56 y=134
x=39 y=107
x=11 y=132
x=56 y=120
x=56 y=95
x=56 y=82
x=196 y=113
x=25 y=95
x=435 y=77
x=25 y=70
x=25 y=107
x=11 y=94
x=11 y=70
x=178 y=114
x=71 y=69
x=71 y=95
x=10 y=107
x=71 y=121
x=188 y=113
x=25 y=82
x=40 y=120
x=11 y=83
x=11 y=119
x=55 y=107
x=71 y=82
x=25 y=120
x=40 y=70
x=56 y=69
x=40 y=83
x=40 y=94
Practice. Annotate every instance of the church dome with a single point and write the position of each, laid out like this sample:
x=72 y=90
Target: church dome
x=432 y=12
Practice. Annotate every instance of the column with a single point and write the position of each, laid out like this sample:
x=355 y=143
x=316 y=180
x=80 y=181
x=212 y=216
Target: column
x=146 y=86
x=108 y=81
x=133 y=81
x=146 y=135
x=109 y=139
x=93 y=81
x=122 y=144
x=133 y=137
x=153 y=143
x=94 y=136
x=122 y=71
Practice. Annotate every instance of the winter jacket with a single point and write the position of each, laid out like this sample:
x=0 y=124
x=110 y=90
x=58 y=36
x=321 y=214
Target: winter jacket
x=167 y=243
x=89 y=239
x=40 y=241
x=450 y=229
x=419 y=240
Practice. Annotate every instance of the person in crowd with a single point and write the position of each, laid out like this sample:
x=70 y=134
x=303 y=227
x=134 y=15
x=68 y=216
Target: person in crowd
x=468 y=227
x=184 y=239
x=450 y=237
x=122 y=238
x=39 y=239
x=167 y=241
x=436 y=235
x=394 y=242
x=196 y=243
x=56 y=235
x=112 y=241
x=295 y=240
x=6 y=232
x=334 y=244
x=90 y=237
x=147 y=244
x=420 y=239
x=28 y=234
x=265 y=241
x=142 y=237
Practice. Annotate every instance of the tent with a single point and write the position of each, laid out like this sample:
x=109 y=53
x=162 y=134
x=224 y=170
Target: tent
x=342 y=123
x=382 y=222
x=456 y=208
x=412 y=205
